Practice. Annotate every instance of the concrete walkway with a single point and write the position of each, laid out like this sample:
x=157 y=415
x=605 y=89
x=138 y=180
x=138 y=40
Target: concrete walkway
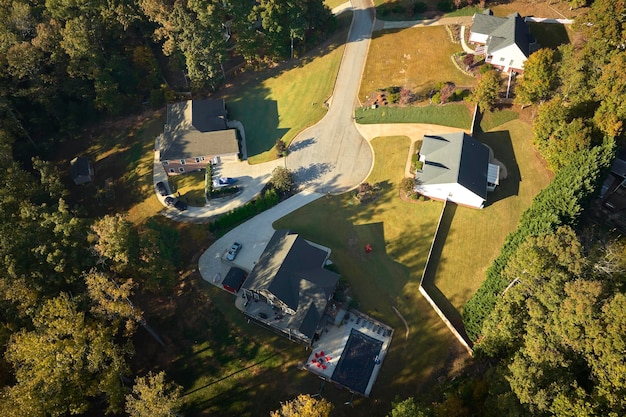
x=440 y=21
x=466 y=48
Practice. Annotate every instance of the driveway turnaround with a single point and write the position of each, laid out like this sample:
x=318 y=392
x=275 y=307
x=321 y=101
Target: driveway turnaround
x=329 y=157
x=254 y=235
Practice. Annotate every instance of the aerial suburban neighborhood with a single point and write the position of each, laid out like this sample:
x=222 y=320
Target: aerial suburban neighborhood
x=313 y=208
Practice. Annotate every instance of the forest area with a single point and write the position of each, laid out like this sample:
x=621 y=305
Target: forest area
x=67 y=317
x=549 y=321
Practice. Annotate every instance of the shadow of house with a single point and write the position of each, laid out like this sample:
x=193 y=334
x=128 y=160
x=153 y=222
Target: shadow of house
x=81 y=170
x=195 y=133
x=288 y=289
x=456 y=168
x=505 y=42
x=255 y=110
x=501 y=144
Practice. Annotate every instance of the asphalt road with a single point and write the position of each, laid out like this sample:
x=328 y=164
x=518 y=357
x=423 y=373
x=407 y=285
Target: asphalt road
x=332 y=156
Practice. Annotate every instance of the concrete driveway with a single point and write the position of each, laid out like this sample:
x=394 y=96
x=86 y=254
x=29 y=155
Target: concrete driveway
x=254 y=235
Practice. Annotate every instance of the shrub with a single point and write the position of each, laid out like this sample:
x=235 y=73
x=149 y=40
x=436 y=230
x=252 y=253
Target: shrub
x=269 y=199
x=468 y=60
x=419 y=7
x=436 y=98
x=446 y=91
x=407 y=186
x=281 y=148
x=445 y=6
x=560 y=203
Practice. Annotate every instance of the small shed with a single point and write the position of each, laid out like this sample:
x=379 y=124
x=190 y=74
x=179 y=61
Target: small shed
x=234 y=279
x=82 y=171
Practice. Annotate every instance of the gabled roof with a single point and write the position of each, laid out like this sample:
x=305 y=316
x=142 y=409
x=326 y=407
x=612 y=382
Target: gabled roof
x=513 y=31
x=486 y=23
x=503 y=32
x=292 y=270
x=455 y=158
x=197 y=128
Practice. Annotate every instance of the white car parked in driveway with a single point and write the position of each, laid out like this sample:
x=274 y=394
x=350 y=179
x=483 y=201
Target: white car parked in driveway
x=233 y=251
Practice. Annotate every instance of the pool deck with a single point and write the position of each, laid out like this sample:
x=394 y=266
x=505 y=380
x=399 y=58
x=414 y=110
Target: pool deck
x=333 y=342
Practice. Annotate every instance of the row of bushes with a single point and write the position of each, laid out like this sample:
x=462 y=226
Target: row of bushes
x=560 y=203
x=268 y=200
x=446 y=92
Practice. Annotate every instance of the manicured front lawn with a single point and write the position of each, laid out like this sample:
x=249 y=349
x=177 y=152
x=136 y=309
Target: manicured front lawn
x=289 y=99
x=476 y=236
x=455 y=115
x=400 y=234
x=414 y=58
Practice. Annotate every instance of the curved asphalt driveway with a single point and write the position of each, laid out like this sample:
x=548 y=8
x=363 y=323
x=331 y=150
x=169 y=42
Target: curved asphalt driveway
x=332 y=156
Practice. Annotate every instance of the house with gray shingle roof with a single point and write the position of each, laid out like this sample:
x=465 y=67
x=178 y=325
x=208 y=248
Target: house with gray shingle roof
x=455 y=167
x=506 y=42
x=196 y=131
x=291 y=278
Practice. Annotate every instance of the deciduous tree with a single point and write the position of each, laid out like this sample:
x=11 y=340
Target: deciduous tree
x=304 y=406
x=539 y=81
x=153 y=396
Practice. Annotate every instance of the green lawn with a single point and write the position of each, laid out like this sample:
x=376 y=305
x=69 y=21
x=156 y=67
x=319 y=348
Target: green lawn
x=550 y=35
x=400 y=234
x=416 y=59
x=492 y=119
x=289 y=99
x=190 y=186
x=476 y=236
x=455 y=115
x=334 y=3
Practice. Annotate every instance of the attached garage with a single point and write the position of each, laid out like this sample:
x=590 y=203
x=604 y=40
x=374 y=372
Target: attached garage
x=234 y=279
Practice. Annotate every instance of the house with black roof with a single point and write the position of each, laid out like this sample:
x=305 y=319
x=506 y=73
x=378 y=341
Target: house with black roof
x=505 y=42
x=456 y=167
x=289 y=289
x=195 y=133
x=81 y=170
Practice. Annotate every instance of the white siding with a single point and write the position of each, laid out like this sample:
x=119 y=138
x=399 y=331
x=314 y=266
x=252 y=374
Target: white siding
x=478 y=37
x=509 y=57
x=452 y=192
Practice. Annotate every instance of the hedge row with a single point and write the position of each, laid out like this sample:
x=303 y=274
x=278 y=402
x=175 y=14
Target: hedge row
x=269 y=199
x=560 y=203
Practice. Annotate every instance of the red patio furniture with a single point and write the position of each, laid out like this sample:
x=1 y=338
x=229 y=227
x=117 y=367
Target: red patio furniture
x=322 y=353
x=317 y=355
x=323 y=366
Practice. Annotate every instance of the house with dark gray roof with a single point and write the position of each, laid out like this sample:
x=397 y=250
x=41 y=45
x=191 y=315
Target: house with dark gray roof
x=289 y=289
x=81 y=170
x=506 y=42
x=195 y=133
x=455 y=167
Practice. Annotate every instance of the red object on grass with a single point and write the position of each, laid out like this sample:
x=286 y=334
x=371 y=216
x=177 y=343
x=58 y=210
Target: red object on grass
x=368 y=248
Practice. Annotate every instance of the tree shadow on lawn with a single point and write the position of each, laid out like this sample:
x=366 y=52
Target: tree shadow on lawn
x=502 y=146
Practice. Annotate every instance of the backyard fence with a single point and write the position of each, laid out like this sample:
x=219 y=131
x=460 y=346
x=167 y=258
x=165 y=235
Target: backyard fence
x=429 y=272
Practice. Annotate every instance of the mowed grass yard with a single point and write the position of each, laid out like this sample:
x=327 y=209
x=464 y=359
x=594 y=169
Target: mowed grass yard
x=476 y=236
x=400 y=234
x=289 y=99
x=416 y=58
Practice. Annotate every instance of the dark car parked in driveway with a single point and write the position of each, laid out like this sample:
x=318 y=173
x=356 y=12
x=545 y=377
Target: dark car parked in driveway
x=170 y=201
x=181 y=205
x=161 y=188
